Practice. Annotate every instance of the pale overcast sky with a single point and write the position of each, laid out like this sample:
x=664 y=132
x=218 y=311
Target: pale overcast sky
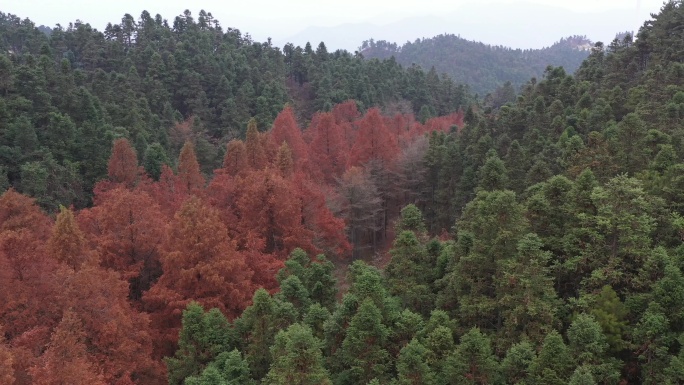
x=283 y=19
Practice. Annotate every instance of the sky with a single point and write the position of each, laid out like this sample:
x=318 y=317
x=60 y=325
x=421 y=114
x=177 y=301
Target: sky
x=291 y=19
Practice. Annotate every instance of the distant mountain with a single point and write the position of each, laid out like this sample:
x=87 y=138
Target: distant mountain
x=484 y=67
x=348 y=36
x=519 y=25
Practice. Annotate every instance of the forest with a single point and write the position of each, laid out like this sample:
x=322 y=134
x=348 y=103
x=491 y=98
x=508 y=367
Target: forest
x=185 y=206
x=483 y=67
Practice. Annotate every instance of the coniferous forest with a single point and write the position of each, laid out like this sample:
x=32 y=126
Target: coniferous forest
x=183 y=205
x=483 y=67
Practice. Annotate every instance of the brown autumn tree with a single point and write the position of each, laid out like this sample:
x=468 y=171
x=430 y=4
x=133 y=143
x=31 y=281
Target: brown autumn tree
x=29 y=306
x=257 y=147
x=26 y=272
x=6 y=361
x=373 y=140
x=168 y=192
x=123 y=163
x=200 y=264
x=328 y=149
x=181 y=132
x=66 y=361
x=328 y=231
x=400 y=125
x=18 y=211
x=346 y=114
x=223 y=193
x=127 y=229
x=284 y=161
x=269 y=209
x=411 y=170
x=118 y=337
x=27 y=349
x=285 y=130
x=235 y=160
x=67 y=243
x=123 y=170
x=189 y=173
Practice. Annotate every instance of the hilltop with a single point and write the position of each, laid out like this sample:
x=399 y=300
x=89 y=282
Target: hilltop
x=482 y=66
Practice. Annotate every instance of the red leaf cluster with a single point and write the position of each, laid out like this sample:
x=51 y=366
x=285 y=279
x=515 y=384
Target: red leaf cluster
x=96 y=296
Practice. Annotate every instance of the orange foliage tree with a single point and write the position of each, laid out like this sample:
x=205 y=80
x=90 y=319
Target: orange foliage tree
x=118 y=337
x=285 y=129
x=328 y=231
x=127 y=229
x=257 y=147
x=284 y=162
x=122 y=170
x=268 y=209
x=123 y=163
x=328 y=149
x=235 y=160
x=74 y=291
x=168 y=192
x=67 y=243
x=189 y=173
x=373 y=140
x=66 y=360
x=6 y=361
x=223 y=194
x=346 y=115
x=200 y=264
x=26 y=273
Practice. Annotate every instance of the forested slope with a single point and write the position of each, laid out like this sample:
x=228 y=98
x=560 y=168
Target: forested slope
x=65 y=96
x=537 y=243
x=564 y=265
x=483 y=67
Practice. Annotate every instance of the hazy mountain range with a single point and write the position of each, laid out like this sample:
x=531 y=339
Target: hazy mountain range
x=483 y=67
x=510 y=25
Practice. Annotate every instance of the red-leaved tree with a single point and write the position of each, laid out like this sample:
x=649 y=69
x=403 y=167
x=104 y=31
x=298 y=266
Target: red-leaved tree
x=200 y=264
x=373 y=140
x=127 y=228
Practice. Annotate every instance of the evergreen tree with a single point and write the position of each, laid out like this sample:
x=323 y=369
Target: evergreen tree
x=515 y=367
x=257 y=329
x=362 y=351
x=409 y=273
x=473 y=361
x=412 y=367
x=203 y=337
x=297 y=358
x=527 y=299
x=553 y=364
x=228 y=368
x=493 y=175
x=493 y=222
x=155 y=157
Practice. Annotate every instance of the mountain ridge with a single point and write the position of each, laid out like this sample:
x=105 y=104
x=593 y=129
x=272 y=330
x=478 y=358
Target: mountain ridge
x=496 y=24
x=483 y=67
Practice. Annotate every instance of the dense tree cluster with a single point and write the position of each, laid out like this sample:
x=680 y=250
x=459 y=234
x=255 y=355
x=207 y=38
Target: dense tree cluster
x=536 y=243
x=544 y=245
x=97 y=294
x=65 y=95
x=485 y=68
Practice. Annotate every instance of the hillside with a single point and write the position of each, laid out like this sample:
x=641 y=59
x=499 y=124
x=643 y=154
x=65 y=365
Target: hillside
x=539 y=242
x=67 y=94
x=483 y=67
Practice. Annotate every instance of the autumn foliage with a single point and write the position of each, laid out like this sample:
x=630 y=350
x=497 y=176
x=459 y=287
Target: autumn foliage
x=95 y=296
x=123 y=163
